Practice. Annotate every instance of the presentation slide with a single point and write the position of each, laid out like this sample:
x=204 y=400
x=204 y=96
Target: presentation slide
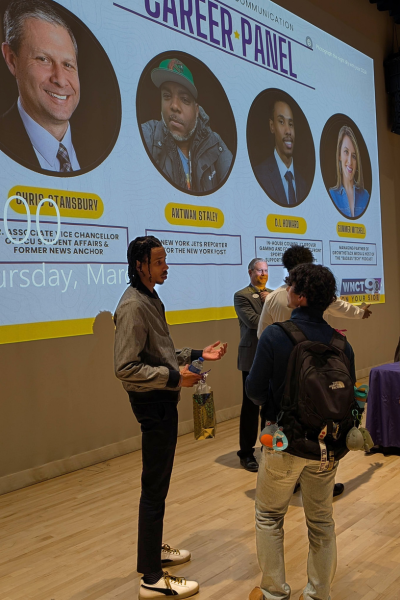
x=229 y=130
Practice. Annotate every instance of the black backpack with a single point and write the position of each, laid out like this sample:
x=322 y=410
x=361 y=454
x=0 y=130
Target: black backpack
x=318 y=398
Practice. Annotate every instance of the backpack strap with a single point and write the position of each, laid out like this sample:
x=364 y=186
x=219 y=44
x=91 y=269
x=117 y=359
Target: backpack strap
x=296 y=335
x=293 y=332
x=338 y=341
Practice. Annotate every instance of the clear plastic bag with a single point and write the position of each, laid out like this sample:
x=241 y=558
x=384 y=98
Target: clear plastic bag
x=203 y=411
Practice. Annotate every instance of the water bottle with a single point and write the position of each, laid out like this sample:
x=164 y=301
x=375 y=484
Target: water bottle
x=197 y=365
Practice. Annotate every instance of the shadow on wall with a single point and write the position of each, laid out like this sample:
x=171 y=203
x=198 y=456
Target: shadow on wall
x=104 y=328
x=101 y=357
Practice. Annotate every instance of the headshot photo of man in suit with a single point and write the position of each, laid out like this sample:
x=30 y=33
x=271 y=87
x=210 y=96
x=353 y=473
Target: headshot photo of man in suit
x=41 y=52
x=278 y=174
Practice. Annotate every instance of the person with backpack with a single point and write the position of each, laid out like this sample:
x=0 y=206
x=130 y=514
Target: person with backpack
x=304 y=370
x=275 y=308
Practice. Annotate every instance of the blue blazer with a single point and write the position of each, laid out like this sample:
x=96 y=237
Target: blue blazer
x=269 y=178
x=341 y=202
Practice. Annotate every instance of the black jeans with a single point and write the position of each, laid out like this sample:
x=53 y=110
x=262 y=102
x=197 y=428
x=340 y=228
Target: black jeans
x=248 y=427
x=159 y=425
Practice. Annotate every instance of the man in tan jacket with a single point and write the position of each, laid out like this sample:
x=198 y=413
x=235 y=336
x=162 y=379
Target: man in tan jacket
x=153 y=372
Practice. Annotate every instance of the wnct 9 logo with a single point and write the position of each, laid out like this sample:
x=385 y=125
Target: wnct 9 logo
x=371 y=285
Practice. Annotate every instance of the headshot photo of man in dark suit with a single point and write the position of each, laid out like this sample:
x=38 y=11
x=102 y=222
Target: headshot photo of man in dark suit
x=41 y=52
x=278 y=174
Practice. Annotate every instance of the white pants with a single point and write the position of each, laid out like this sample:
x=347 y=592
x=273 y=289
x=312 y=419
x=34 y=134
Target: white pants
x=277 y=476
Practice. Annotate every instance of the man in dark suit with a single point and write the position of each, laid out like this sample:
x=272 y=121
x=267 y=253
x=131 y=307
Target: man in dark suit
x=277 y=175
x=248 y=304
x=41 y=53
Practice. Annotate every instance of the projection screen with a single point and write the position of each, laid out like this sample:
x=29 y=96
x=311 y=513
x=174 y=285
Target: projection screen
x=280 y=123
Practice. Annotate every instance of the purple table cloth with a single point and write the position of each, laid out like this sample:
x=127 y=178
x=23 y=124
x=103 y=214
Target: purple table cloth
x=383 y=412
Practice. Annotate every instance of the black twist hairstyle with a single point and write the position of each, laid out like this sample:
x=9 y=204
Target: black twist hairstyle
x=296 y=255
x=315 y=282
x=140 y=250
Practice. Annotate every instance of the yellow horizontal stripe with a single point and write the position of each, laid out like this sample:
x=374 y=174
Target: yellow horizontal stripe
x=367 y=298
x=27 y=332
x=198 y=315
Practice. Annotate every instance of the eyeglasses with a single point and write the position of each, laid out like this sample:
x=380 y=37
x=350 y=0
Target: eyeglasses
x=259 y=271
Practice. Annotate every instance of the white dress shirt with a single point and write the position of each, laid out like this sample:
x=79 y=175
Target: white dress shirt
x=46 y=145
x=282 y=171
x=276 y=310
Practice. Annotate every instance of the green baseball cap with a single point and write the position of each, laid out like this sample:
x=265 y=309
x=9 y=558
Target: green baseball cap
x=172 y=69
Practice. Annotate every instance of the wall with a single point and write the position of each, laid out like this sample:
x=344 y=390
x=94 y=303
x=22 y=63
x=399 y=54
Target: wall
x=62 y=408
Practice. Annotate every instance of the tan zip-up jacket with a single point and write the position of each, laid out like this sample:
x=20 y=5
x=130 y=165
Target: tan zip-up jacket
x=144 y=355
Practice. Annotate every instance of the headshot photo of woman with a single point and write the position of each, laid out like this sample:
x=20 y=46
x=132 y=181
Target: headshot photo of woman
x=349 y=195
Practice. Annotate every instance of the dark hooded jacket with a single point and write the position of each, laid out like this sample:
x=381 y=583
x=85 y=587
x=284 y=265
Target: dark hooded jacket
x=210 y=157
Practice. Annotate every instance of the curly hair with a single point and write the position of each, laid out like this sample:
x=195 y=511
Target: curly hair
x=315 y=282
x=140 y=250
x=296 y=255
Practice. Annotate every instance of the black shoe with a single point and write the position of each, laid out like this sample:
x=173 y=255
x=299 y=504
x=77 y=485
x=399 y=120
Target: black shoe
x=374 y=450
x=391 y=450
x=249 y=463
x=338 y=489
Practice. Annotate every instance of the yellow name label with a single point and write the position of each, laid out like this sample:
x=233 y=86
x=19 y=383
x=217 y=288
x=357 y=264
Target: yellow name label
x=81 y=205
x=194 y=216
x=367 y=298
x=285 y=224
x=351 y=230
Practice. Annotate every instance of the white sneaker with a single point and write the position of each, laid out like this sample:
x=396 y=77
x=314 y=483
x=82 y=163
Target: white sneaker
x=168 y=585
x=172 y=556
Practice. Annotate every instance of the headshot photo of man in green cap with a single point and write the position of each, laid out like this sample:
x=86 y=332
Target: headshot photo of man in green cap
x=182 y=144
